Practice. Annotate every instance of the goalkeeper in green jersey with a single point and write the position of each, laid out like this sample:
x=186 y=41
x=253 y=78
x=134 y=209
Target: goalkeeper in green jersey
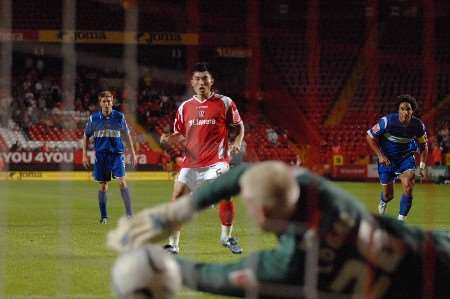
x=329 y=245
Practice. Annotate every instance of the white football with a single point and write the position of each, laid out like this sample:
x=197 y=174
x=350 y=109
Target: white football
x=144 y=273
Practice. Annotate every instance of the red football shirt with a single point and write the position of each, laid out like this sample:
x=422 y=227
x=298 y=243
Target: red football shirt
x=205 y=125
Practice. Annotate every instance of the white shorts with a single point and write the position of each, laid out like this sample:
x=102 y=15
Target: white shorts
x=195 y=177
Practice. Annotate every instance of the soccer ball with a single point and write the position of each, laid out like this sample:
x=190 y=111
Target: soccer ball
x=144 y=273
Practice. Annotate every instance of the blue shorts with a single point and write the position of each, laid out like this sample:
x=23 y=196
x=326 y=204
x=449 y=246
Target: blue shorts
x=388 y=173
x=108 y=165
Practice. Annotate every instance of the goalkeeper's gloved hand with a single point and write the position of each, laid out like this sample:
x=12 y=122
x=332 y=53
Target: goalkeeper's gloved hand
x=151 y=225
x=146 y=270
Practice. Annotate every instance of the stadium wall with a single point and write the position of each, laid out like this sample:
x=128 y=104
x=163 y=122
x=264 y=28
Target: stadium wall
x=41 y=160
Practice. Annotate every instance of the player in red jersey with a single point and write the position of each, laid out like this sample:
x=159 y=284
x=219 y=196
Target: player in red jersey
x=202 y=125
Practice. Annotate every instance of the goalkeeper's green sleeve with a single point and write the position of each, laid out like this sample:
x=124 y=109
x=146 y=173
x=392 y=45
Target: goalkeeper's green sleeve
x=223 y=187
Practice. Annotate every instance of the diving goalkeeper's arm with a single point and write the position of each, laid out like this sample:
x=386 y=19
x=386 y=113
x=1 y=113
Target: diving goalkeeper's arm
x=154 y=224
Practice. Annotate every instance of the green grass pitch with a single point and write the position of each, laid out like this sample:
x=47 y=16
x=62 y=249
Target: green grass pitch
x=51 y=245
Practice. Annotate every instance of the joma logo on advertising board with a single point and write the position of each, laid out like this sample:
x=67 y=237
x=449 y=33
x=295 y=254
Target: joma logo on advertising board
x=18 y=175
x=155 y=37
x=82 y=35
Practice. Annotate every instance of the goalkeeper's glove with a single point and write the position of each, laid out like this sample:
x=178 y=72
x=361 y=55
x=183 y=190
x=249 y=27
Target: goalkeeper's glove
x=151 y=225
x=146 y=270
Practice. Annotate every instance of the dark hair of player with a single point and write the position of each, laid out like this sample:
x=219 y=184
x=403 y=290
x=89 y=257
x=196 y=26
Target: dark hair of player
x=406 y=98
x=105 y=93
x=202 y=67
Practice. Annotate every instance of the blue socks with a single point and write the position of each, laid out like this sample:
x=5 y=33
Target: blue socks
x=382 y=197
x=126 y=201
x=102 y=204
x=102 y=199
x=405 y=204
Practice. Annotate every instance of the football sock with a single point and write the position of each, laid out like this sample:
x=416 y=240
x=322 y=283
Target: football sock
x=174 y=238
x=382 y=205
x=382 y=197
x=102 y=204
x=225 y=232
x=226 y=212
x=405 y=204
x=126 y=200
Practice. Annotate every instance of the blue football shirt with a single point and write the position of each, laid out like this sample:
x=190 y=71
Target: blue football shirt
x=107 y=131
x=397 y=141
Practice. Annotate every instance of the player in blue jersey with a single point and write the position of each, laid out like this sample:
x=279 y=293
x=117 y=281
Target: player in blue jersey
x=395 y=139
x=106 y=127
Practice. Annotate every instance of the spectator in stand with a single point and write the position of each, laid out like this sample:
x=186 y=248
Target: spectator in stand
x=272 y=136
x=436 y=152
x=238 y=157
x=444 y=138
x=164 y=105
x=5 y=106
x=178 y=101
x=336 y=149
x=140 y=138
x=284 y=139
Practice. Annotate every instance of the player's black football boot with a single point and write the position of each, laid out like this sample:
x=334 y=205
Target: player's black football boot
x=171 y=249
x=233 y=245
